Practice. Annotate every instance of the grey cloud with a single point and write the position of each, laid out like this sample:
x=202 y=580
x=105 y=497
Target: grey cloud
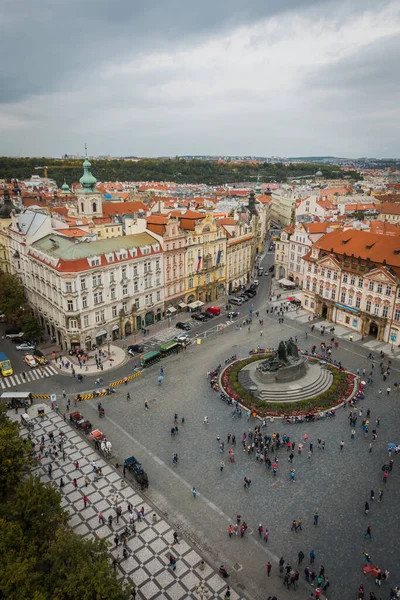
x=51 y=43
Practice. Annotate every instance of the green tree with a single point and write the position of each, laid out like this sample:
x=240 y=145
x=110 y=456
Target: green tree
x=37 y=508
x=12 y=297
x=14 y=458
x=32 y=328
x=79 y=569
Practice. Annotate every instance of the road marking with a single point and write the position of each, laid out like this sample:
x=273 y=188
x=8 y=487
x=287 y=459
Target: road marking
x=174 y=473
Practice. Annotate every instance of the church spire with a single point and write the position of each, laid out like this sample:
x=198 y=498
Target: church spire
x=87 y=181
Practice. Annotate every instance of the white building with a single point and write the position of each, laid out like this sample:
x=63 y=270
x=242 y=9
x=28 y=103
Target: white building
x=86 y=291
x=283 y=202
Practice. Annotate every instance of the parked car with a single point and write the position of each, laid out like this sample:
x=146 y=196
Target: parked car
x=40 y=357
x=256 y=283
x=25 y=347
x=135 y=349
x=250 y=293
x=237 y=301
x=213 y=310
x=9 y=334
x=200 y=317
x=243 y=297
x=184 y=326
x=19 y=340
x=30 y=361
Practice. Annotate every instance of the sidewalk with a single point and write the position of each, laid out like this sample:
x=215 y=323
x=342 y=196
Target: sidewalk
x=107 y=362
x=147 y=566
x=139 y=337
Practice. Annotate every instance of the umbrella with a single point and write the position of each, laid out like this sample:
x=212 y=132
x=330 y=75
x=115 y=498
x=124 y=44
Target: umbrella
x=363 y=383
x=391 y=446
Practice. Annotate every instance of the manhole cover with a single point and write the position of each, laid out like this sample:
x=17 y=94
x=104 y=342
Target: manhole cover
x=241 y=586
x=237 y=567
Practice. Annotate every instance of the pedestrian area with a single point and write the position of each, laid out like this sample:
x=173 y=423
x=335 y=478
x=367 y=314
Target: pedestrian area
x=148 y=563
x=32 y=375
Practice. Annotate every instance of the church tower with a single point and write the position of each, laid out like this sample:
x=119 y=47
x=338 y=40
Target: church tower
x=89 y=199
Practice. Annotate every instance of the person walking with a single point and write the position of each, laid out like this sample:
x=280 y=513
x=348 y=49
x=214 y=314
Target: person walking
x=194 y=492
x=85 y=501
x=368 y=533
x=294 y=526
x=146 y=405
x=380 y=492
x=300 y=557
x=269 y=567
x=316 y=517
x=221 y=465
x=372 y=495
x=312 y=556
x=176 y=537
x=366 y=508
x=75 y=482
x=341 y=445
x=101 y=518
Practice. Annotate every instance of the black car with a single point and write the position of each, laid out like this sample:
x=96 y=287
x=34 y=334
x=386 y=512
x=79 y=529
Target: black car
x=200 y=317
x=184 y=326
x=135 y=349
x=232 y=314
x=253 y=287
x=251 y=293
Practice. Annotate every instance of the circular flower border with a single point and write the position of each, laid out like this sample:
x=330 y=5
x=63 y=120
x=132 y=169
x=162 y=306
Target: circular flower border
x=343 y=387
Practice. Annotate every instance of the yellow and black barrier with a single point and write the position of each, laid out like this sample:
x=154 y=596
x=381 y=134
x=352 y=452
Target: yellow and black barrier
x=92 y=395
x=41 y=396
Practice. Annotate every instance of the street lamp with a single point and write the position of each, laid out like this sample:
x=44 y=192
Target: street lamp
x=108 y=343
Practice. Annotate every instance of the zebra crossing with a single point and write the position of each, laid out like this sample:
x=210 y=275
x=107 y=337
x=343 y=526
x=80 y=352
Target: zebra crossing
x=32 y=375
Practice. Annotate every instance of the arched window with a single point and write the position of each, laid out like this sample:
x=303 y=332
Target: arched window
x=82 y=209
x=94 y=207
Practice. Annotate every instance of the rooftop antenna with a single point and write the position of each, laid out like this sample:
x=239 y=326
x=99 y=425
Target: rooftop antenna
x=86 y=149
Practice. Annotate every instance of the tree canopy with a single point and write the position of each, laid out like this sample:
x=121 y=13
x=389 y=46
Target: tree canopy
x=12 y=297
x=41 y=557
x=180 y=170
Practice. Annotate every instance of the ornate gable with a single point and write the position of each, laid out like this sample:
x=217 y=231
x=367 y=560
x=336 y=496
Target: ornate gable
x=329 y=263
x=382 y=275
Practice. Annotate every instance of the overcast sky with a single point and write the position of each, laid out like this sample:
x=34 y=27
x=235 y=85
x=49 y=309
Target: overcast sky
x=225 y=77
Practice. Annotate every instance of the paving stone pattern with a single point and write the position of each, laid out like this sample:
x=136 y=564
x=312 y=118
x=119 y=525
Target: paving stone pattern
x=147 y=566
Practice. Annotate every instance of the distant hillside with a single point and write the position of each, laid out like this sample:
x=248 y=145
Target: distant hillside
x=177 y=169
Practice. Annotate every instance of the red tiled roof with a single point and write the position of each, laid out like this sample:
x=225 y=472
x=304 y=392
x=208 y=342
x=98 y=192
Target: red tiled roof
x=122 y=208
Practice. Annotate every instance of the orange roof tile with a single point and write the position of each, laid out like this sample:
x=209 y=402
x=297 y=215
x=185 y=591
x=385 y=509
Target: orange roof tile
x=390 y=208
x=362 y=244
x=123 y=208
x=72 y=232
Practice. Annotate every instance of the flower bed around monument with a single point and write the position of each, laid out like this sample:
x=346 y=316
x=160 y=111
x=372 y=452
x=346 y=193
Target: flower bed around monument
x=341 y=388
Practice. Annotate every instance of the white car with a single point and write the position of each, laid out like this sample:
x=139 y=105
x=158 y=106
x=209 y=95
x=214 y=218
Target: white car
x=30 y=361
x=182 y=339
x=25 y=347
x=256 y=282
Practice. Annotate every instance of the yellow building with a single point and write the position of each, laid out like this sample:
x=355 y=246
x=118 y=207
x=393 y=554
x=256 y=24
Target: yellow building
x=104 y=229
x=205 y=256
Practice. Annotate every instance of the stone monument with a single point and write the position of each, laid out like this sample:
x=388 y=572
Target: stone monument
x=285 y=364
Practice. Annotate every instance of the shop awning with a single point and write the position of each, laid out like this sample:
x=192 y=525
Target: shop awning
x=196 y=304
x=287 y=283
x=101 y=332
x=171 y=309
x=182 y=305
x=115 y=327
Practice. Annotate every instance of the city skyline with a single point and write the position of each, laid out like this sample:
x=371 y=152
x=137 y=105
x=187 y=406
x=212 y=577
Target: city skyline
x=221 y=79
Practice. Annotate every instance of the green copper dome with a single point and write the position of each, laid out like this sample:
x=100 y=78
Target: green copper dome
x=65 y=188
x=87 y=181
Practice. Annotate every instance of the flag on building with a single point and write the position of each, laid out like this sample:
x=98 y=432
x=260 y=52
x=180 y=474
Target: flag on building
x=198 y=262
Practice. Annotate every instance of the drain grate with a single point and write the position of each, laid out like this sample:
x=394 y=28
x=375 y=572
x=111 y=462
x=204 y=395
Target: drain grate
x=241 y=586
x=237 y=567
